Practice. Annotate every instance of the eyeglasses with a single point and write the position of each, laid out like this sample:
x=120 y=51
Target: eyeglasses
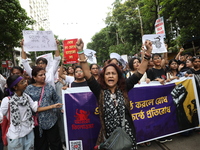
x=78 y=71
x=196 y=57
x=40 y=63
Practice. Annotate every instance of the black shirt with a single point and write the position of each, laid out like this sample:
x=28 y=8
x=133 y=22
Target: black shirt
x=79 y=84
x=153 y=73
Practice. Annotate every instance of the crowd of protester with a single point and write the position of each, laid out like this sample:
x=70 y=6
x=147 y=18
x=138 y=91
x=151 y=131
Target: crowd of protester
x=35 y=91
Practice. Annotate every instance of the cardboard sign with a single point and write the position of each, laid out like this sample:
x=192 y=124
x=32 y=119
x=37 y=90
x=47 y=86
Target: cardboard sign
x=157 y=42
x=70 y=51
x=90 y=54
x=39 y=41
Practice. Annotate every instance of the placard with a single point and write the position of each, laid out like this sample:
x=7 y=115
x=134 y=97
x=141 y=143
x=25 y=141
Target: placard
x=39 y=41
x=70 y=51
x=157 y=42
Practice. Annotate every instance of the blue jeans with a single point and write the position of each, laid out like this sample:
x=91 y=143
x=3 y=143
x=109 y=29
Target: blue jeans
x=23 y=143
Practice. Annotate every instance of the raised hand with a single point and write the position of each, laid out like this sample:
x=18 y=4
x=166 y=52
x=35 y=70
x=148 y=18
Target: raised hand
x=79 y=45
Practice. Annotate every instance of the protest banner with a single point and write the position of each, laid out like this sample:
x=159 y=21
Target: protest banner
x=39 y=41
x=81 y=118
x=157 y=42
x=160 y=26
x=157 y=111
x=163 y=110
x=70 y=51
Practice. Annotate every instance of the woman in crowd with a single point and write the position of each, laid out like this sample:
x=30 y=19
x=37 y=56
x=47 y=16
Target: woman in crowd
x=172 y=72
x=189 y=63
x=70 y=71
x=94 y=69
x=79 y=78
x=134 y=64
x=47 y=133
x=18 y=107
x=111 y=93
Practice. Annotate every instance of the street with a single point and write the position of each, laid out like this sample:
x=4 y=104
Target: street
x=179 y=142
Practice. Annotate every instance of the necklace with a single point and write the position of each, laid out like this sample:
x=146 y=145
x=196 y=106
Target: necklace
x=113 y=96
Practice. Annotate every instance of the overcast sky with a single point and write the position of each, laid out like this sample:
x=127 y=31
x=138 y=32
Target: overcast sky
x=78 y=18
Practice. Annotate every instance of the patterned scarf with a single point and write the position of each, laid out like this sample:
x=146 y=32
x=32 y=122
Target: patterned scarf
x=114 y=109
x=15 y=101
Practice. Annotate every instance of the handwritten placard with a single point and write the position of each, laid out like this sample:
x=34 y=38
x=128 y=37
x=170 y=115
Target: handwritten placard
x=39 y=41
x=157 y=42
x=70 y=51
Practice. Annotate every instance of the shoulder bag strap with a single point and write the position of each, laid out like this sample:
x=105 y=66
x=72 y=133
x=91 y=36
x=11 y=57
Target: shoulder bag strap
x=41 y=95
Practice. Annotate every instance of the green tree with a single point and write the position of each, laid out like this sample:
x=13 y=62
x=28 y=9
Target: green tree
x=13 y=20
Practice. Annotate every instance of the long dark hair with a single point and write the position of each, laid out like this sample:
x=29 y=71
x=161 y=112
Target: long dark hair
x=121 y=79
x=170 y=62
x=34 y=72
x=130 y=63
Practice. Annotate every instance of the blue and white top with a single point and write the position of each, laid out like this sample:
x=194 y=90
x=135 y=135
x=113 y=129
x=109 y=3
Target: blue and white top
x=48 y=118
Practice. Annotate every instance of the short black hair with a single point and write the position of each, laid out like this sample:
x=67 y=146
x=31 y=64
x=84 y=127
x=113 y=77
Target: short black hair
x=44 y=60
x=18 y=68
x=156 y=54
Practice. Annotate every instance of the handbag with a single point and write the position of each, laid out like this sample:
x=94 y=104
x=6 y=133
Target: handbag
x=4 y=126
x=35 y=117
x=119 y=139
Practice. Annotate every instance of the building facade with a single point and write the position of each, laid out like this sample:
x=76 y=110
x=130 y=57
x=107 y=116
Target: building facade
x=38 y=11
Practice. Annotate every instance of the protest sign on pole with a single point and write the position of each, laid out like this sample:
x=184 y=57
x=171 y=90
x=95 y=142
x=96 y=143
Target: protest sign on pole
x=39 y=41
x=157 y=42
x=159 y=26
x=70 y=51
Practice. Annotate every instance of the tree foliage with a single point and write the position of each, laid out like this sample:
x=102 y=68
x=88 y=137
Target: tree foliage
x=127 y=20
x=13 y=20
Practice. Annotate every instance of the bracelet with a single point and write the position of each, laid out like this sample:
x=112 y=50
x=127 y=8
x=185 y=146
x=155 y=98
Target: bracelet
x=147 y=55
x=147 y=58
x=81 y=52
x=83 y=61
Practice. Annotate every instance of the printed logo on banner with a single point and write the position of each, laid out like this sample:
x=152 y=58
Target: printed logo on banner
x=82 y=120
x=76 y=145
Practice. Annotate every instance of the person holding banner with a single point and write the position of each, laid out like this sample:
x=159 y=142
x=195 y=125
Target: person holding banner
x=47 y=132
x=111 y=93
x=158 y=72
x=42 y=62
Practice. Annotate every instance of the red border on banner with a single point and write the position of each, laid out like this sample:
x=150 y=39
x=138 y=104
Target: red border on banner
x=70 y=51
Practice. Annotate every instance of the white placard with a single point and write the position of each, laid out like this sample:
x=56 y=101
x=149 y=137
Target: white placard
x=90 y=54
x=157 y=41
x=39 y=41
